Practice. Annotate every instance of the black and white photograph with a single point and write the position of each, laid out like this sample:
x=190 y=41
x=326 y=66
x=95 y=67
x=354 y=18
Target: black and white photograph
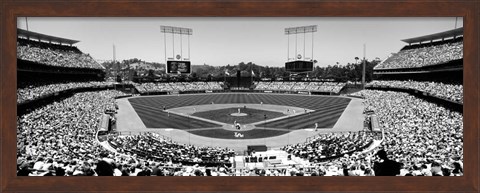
x=240 y=96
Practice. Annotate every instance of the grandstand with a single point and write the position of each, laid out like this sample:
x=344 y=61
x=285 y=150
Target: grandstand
x=430 y=65
x=417 y=87
x=49 y=65
x=437 y=57
x=51 y=51
x=170 y=87
x=326 y=88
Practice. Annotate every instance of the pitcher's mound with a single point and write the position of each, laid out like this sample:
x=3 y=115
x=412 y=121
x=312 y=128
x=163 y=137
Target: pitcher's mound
x=239 y=114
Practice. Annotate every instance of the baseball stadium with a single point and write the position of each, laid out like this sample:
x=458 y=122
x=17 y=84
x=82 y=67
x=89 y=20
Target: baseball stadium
x=80 y=117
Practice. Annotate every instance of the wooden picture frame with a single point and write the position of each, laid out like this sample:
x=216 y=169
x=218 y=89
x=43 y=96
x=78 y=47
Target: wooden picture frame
x=10 y=10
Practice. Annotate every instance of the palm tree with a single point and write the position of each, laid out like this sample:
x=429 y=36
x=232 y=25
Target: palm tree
x=356 y=60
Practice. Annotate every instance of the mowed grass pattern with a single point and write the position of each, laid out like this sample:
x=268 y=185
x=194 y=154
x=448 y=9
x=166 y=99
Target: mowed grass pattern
x=153 y=116
x=223 y=115
x=327 y=109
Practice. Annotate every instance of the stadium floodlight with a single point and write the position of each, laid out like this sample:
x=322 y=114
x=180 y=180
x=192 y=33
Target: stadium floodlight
x=176 y=30
x=302 y=29
x=177 y=63
x=300 y=63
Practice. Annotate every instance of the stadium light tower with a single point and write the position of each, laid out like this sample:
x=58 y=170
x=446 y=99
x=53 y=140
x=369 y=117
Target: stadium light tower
x=299 y=62
x=177 y=63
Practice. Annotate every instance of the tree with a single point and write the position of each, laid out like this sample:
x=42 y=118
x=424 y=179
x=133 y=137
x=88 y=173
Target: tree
x=151 y=73
x=267 y=72
x=242 y=66
x=193 y=77
x=369 y=70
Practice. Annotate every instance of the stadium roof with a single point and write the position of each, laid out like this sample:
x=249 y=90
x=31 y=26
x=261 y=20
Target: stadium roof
x=44 y=37
x=441 y=35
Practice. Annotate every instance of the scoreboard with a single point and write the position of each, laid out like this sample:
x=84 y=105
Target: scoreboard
x=299 y=66
x=178 y=67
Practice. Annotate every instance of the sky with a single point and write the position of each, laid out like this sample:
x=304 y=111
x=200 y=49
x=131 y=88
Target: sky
x=219 y=41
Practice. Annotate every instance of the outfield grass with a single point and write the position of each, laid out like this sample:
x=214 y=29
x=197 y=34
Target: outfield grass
x=223 y=115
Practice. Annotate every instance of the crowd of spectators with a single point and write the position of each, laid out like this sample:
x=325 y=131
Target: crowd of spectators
x=154 y=147
x=450 y=92
x=153 y=87
x=62 y=132
x=33 y=91
x=177 y=86
x=424 y=56
x=59 y=139
x=300 y=86
x=356 y=164
x=422 y=136
x=334 y=87
x=262 y=85
x=330 y=145
x=54 y=55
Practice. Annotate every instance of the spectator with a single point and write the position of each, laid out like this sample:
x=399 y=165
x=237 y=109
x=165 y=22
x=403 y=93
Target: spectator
x=458 y=170
x=104 y=168
x=385 y=167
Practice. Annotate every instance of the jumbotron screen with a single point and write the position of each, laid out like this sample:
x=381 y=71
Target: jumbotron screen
x=299 y=66
x=175 y=67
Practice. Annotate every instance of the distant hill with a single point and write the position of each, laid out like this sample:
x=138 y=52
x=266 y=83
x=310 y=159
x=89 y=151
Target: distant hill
x=195 y=68
x=147 y=66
